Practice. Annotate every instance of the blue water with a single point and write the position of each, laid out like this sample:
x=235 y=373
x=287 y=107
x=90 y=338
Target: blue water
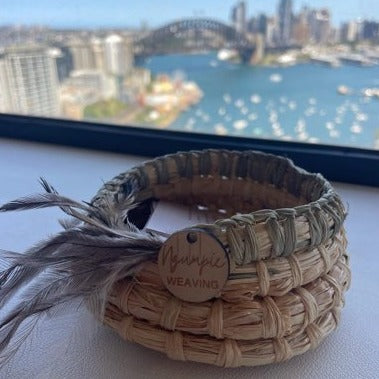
x=303 y=106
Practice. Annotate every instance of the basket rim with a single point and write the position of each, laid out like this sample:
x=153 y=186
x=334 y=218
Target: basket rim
x=323 y=216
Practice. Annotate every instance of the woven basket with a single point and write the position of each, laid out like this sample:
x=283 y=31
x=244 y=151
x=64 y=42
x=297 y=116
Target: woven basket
x=282 y=229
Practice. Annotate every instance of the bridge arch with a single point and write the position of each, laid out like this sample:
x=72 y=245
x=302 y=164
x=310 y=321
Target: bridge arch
x=175 y=32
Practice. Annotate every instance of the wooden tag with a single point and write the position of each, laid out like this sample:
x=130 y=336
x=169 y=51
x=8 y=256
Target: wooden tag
x=193 y=265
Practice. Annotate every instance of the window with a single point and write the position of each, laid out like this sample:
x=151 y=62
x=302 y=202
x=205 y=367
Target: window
x=281 y=70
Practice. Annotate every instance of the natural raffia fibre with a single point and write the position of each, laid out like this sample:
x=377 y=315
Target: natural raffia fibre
x=274 y=277
x=226 y=352
x=280 y=230
x=289 y=265
x=262 y=317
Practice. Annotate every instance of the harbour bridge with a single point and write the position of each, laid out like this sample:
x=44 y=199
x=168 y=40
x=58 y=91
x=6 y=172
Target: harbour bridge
x=194 y=34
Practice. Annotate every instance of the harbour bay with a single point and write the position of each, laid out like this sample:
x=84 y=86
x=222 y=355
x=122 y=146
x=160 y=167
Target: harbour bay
x=298 y=102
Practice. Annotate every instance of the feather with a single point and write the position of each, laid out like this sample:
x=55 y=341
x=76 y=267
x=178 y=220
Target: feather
x=81 y=262
x=51 y=200
x=68 y=223
x=111 y=217
x=43 y=200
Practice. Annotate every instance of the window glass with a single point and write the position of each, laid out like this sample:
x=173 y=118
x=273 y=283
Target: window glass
x=285 y=69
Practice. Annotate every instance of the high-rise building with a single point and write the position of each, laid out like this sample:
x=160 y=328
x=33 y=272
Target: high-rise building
x=258 y=24
x=98 y=53
x=252 y=25
x=319 y=25
x=300 y=27
x=118 y=55
x=323 y=26
x=5 y=95
x=370 y=31
x=349 y=31
x=285 y=22
x=82 y=55
x=63 y=60
x=32 y=81
x=238 y=17
x=271 y=31
x=312 y=23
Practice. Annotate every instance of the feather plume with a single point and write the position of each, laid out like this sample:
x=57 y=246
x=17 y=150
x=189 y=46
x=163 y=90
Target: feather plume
x=81 y=262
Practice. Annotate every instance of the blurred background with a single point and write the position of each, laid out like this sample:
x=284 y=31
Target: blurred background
x=283 y=69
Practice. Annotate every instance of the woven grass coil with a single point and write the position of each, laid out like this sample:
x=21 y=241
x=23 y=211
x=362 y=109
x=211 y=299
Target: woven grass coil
x=282 y=229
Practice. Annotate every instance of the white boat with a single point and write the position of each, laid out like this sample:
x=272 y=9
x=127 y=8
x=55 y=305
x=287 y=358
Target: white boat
x=334 y=133
x=227 y=54
x=227 y=98
x=313 y=140
x=303 y=136
x=329 y=125
x=239 y=103
x=240 y=124
x=286 y=59
x=312 y=101
x=292 y=105
x=273 y=116
x=278 y=133
x=276 y=78
x=361 y=117
x=371 y=92
x=154 y=115
x=220 y=129
x=356 y=129
x=276 y=126
x=222 y=111
x=255 y=99
x=343 y=90
x=300 y=126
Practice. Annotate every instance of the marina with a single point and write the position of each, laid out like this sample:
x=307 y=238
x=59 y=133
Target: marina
x=306 y=102
x=325 y=59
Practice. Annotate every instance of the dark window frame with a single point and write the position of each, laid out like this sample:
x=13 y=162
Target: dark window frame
x=337 y=163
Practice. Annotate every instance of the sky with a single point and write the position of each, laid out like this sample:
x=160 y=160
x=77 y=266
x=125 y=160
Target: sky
x=127 y=13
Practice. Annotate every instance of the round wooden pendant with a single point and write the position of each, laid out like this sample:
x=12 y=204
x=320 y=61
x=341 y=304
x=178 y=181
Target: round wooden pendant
x=193 y=265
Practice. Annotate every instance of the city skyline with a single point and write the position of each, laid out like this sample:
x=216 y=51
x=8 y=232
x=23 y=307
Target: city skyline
x=129 y=76
x=117 y=13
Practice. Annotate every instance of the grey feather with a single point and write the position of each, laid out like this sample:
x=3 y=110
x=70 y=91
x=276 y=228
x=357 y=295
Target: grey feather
x=68 y=223
x=110 y=218
x=81 y=262
x=43 y=200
